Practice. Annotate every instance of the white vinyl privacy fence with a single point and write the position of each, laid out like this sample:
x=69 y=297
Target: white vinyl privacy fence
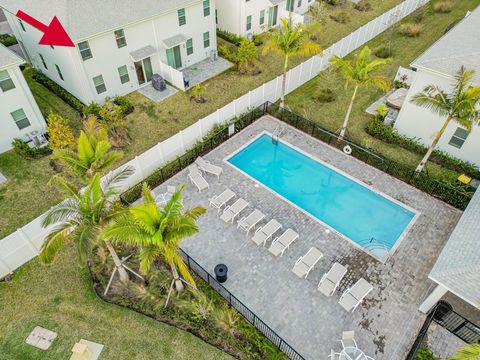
x=25 y=243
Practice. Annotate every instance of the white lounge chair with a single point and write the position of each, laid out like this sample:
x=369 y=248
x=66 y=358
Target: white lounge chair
x=334 y=355
x=352 y=297
x=282 y=243
x=208 y=167
x=231 y=212
x=247 y=223
x=221 y=200
x=330 y=280
x=197 y=178
x=307 y=262
x=264 y=233
x=348 y=340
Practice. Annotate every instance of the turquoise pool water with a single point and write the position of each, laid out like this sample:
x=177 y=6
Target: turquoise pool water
x=362 y=215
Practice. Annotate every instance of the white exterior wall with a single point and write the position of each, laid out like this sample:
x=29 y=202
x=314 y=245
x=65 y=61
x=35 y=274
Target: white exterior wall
x=232 y=14
x=15 y=99
x=420 y=123
x=107 y=57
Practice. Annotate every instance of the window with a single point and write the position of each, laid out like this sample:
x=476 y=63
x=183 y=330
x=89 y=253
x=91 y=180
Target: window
x=216 y=16
x=21 y=25
x=120 y=37
x=206 y=39
x=189 y=47
x=458 y=137
x=20 y=119
x=206 y=7
x=249 y=22
x=59 y=72
x=52 y=47
x=85 y=50
x=6 y=83
x=299 y=3
x=99 y=84
x=43 y=62
x=123 y=72
x=262 y=17
x=182 y=20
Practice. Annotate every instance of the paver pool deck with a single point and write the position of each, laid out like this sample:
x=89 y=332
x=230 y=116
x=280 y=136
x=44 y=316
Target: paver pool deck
x=386 y=323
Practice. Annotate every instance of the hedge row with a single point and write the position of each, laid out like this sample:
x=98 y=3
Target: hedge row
x=379 y=130
x=236 y=39
x=63 y=94
x=7 y=40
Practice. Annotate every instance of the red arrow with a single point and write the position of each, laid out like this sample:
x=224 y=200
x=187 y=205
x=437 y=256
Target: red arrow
x=53 y=34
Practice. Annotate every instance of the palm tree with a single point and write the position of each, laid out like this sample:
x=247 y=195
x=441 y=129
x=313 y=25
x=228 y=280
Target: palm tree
x=81 y=218
x=158 y=232
x=470 y=352
x=290 y=40
x=459 y=105
x=92 y=154
x=359 y=73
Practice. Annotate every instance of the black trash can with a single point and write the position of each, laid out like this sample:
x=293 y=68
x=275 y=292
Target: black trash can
x=221 y=272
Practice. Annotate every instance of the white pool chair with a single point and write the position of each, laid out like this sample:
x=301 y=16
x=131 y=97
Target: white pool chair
x=330 y=280
x=263 y=234
x=217 y=202
x=334 y=355
x=208 y=167
x=247 y=223
x=307 y=262
x=352 y=297
x=231 y=212
x=283 y=242
x=348 y=340
x=197 y=178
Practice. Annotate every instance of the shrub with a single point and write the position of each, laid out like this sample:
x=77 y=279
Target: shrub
x=342 y=17
x=7 y=40
x=442 y=7
x=324 y=95
x=63 y=94
x=60 y=134
x=236 y=39
x=92 y=109
x=379 y=130
x=27 y=152
x=112 y=118
x=334 y=2
x=424 y=354
x=124 y=104
x=397 y=84
x=383 y=51
x=381 y=112
x=362 y=5
x=411 y=29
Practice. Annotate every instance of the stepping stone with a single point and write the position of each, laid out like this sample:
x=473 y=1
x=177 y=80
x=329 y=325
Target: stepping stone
x=86 y=350
x=41 y=338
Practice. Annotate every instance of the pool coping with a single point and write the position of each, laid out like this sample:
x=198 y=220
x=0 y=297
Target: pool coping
x=341 y=172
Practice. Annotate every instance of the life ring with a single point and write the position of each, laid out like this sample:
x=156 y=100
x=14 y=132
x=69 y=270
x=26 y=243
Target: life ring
x=347 y=149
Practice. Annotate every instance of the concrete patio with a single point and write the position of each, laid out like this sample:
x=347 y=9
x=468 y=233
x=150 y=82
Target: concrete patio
x=386 y=324
x=205 y=70
x=157 y=96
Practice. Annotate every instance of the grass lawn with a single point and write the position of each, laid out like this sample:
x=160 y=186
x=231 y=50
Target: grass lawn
x=69 y=306
x=331 y=115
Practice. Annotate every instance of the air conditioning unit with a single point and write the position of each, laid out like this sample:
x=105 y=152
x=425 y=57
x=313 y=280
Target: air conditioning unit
x=37 y=139
x=250 y=36
x=213 y=55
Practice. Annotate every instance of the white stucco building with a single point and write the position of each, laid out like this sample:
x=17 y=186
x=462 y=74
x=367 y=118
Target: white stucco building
x=119 y=44
x=246 y=17
x=20 y=116
x=438 y=65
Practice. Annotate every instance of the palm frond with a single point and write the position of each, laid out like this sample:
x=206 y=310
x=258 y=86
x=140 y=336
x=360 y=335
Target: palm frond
x=470 y=352
x=147 y=256
x=53 y=242
x=183 y=269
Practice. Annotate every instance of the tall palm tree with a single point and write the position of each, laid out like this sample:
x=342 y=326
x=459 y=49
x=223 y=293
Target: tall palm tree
x=460 y=105
x=92 y=154
x=358 y=72
x=290 y=40
x=81 y=217
x=157 y=232
x=470 y=352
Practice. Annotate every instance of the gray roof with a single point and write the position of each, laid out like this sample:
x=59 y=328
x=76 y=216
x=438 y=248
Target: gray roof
x=8 y=58
x=460 y=46
x=174 y=40
x=85 y=18
x=142 y=53
x=458 y=267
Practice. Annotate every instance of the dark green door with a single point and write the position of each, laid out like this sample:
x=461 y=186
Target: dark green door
x=174 y=57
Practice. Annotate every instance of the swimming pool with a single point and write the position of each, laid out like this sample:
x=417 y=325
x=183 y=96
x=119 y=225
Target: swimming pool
x=360 y=214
